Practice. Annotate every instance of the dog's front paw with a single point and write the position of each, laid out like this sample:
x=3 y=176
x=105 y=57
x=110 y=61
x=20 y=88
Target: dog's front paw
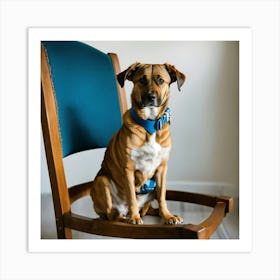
x=173 y=220
x=135 y=220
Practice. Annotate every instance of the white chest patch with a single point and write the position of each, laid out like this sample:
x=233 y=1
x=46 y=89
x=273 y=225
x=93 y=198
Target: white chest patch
x=151 y=112
x=149 y=156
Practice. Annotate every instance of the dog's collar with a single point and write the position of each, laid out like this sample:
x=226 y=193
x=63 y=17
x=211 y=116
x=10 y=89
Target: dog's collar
x=148 y=187
x=152 y=126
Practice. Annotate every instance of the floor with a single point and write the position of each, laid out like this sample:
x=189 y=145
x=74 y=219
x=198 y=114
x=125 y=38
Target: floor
x=191 y=213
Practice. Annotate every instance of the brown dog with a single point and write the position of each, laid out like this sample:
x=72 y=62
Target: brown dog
x=134 y=168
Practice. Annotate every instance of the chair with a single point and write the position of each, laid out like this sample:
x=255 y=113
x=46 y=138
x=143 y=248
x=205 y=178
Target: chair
x=77 y=82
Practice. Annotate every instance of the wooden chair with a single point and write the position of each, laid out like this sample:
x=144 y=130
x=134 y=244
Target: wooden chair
x=77 y=82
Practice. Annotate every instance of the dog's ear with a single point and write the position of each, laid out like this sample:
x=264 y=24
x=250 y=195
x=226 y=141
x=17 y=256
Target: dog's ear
x=175 y=75
x=128 y=74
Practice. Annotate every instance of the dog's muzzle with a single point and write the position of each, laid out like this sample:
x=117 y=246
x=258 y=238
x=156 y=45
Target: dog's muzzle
x=150 y=99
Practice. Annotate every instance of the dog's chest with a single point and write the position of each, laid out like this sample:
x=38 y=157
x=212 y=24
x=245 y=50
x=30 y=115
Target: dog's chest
x=148 y=157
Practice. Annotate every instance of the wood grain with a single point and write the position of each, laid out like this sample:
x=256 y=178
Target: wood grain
x=49 y=120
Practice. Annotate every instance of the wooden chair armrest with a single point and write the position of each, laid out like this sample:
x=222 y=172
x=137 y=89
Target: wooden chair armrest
x=118 y=229
x=208 y=226
x=79 y=191
x=201 y=199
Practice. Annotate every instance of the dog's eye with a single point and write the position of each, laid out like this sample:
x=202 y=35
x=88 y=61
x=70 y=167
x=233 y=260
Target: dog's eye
x=160 y=81
x=143 y=81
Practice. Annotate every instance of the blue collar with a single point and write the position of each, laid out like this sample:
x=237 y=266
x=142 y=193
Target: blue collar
x=151 y=126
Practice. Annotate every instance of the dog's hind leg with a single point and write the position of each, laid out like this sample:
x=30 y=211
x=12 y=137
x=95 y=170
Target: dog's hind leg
x=102 y=200
x=100 y=194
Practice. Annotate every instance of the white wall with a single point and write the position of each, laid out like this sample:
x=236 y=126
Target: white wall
x=204 y=125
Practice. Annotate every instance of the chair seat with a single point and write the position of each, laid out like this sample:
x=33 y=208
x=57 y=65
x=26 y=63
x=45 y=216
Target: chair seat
x=220 y=204
x=193 y=214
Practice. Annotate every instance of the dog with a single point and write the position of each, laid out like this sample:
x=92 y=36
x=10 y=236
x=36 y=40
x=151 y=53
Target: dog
x=134 y=168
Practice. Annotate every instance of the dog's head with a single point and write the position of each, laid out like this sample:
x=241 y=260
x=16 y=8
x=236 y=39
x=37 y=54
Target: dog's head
x=151 y=92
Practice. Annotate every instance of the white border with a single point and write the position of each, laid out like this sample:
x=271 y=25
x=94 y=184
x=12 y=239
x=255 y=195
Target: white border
x=243 y=35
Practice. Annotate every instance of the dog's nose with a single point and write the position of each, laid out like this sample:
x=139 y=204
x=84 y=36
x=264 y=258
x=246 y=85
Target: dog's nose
x=150 y=99
x=151 y=96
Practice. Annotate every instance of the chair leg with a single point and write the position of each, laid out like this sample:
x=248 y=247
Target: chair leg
x=62 y=231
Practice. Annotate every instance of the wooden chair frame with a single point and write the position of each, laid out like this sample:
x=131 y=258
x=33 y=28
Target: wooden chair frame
x=63 y=196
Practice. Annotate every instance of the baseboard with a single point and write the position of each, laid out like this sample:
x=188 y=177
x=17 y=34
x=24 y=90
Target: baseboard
x=216 y=188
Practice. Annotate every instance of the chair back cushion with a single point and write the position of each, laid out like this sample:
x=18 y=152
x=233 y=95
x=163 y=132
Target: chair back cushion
x=85 y=88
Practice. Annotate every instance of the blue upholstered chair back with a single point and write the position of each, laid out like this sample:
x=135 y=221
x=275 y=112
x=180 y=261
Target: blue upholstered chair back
x=86 y=93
